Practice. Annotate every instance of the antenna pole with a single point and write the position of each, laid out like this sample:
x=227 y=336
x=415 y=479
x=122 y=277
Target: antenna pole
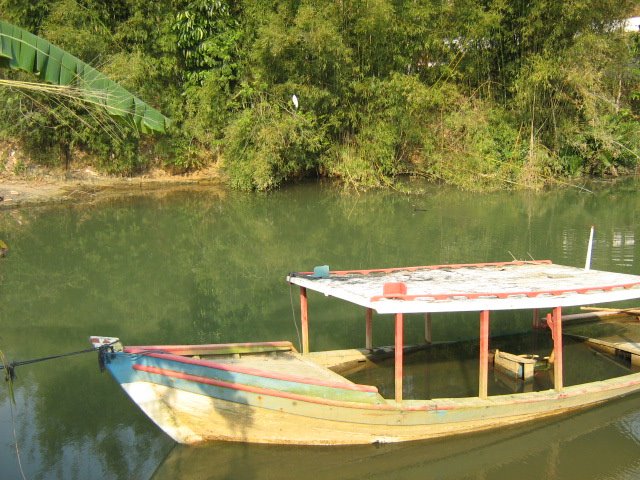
x=587 y=263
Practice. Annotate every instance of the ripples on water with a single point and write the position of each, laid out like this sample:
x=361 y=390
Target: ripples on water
x=210 y=266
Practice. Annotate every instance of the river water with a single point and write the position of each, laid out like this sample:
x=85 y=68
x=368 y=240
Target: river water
x=209 y=266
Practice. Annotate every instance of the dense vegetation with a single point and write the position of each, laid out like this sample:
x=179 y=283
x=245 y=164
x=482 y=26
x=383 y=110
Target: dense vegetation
x=477 y=93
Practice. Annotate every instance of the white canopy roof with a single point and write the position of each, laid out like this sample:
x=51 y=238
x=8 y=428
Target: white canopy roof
x=472 y=287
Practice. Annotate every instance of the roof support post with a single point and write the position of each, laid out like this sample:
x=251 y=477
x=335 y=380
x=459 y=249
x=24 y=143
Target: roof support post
x=484 y=354
x=556 y=331
x=427 y=328
x=537 y=323
x=369 y=329
x=304 y=319
x=399 y=350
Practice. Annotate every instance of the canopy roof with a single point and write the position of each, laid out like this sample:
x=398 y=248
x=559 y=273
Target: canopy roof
x=471 y=287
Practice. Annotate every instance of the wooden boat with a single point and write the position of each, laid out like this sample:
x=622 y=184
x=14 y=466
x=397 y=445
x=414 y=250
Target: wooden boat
x=270 y=393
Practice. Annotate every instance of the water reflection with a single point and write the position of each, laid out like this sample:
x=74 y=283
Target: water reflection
x=623 y=248
x=630 y=427
x=534 y=451
x=451 y=370
x=209 y=266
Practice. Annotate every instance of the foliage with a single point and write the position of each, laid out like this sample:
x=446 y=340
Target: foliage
x=21 y=50
x=270 y=144
x=480 y=94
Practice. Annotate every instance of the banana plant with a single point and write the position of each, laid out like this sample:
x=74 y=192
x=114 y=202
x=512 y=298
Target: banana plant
x=21 y=50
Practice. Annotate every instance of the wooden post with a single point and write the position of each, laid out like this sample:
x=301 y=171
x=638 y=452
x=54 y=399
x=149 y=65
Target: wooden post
x=304 y=320
x=557 y=348
x=399 y=346
x=536 y=318
x=369 y=330
x=484 y=354
x=427 y=328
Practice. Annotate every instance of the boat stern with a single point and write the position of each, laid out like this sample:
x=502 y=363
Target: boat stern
x=113 y=343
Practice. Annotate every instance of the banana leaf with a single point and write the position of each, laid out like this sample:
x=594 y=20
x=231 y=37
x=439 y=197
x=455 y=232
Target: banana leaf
x=21 y=50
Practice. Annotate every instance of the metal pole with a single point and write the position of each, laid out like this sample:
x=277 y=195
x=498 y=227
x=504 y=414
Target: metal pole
x=399 y=346
x=484 y=354
x=304 y=319
x=587 y=262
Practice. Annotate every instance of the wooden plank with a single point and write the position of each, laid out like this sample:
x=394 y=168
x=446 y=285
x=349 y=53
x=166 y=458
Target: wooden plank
x=517 y=366
x=286 y=364
x=597 y=316
x=352 y=360
x=627 y=311
x=608 y=346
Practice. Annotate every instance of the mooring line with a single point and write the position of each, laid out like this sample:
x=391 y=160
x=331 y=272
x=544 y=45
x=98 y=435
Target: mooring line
x=293 y=312
x=11 y=366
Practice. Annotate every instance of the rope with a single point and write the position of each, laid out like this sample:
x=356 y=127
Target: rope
x=11 y=366
x=293 y=313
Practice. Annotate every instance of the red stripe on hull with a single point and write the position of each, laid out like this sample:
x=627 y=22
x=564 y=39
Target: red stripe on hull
x=262 y=373
x=269 y=392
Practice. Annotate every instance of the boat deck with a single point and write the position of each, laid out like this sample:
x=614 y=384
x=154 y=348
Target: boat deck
x=288 y=364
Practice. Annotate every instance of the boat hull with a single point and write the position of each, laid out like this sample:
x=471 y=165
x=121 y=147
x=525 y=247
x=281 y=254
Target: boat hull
x=192 y=410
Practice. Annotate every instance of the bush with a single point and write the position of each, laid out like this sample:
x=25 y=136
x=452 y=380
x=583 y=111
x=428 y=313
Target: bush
x=267 y=145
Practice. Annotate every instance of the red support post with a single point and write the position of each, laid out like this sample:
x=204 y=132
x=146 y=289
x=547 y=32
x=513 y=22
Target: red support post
x=557 y=349
x=399 y=347
x=484 y=354
x=304 y=319
x=369 y=329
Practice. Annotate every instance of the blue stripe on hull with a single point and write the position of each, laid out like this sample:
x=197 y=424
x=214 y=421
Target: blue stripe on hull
x=121 y=367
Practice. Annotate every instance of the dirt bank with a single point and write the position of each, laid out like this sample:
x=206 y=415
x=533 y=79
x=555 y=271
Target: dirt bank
x=24 y=182
x=50 y=186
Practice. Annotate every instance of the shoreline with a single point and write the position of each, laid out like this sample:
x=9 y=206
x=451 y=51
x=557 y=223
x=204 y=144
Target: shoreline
x=41 y=186
x=85 y=186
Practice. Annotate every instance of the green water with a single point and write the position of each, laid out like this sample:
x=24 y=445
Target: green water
x=191 y=267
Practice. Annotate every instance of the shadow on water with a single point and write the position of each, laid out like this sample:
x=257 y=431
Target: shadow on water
x=547 y=449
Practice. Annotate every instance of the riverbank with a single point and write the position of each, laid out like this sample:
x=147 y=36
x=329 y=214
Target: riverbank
x=38 y=185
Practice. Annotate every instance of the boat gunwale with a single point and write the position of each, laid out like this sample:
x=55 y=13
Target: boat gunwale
x=200 y=348
x=257 y=372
